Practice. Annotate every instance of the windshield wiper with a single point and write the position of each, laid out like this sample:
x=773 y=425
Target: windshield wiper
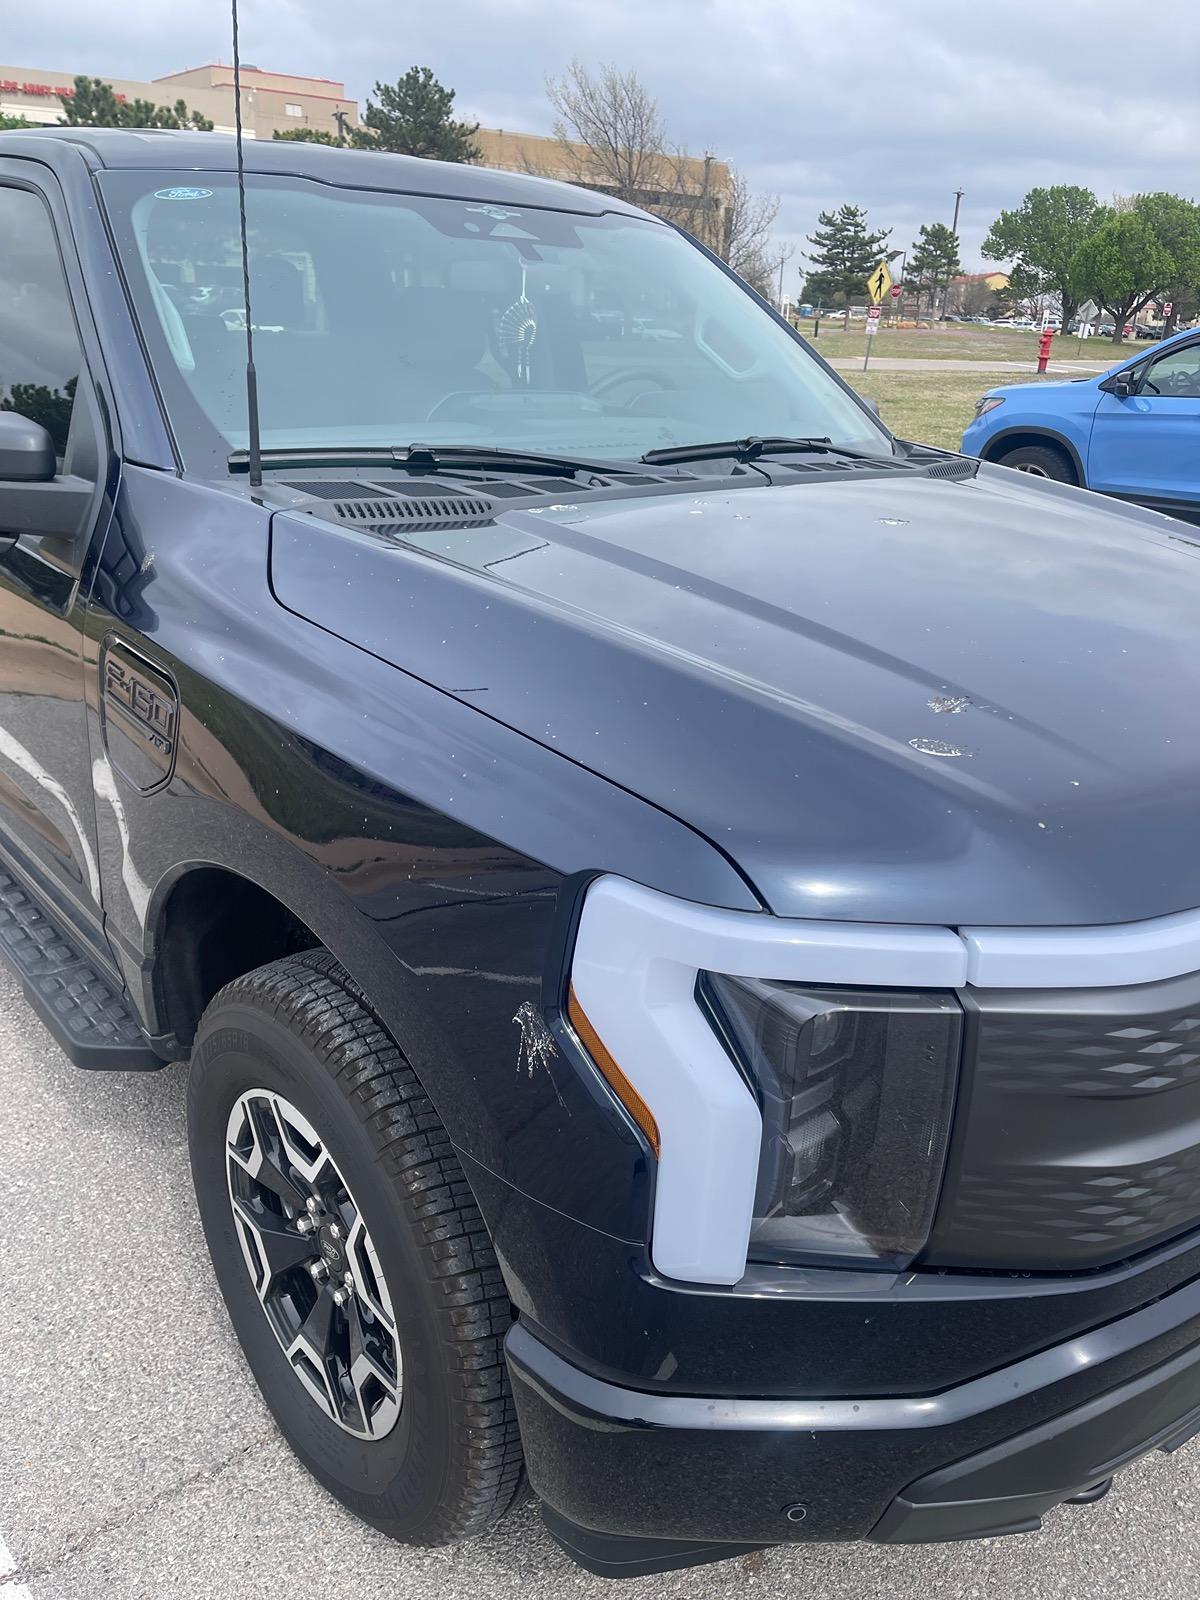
x=426 y=457
x=751 y=449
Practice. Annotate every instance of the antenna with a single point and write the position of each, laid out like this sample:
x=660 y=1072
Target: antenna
x=254 y=453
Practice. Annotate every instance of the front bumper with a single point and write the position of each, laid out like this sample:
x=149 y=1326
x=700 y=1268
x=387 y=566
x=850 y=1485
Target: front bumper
x=634 y=1482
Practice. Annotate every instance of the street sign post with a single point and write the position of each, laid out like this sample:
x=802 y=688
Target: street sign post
x=873 y=316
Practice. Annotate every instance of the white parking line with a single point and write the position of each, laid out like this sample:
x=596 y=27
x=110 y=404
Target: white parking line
x=8 y=1589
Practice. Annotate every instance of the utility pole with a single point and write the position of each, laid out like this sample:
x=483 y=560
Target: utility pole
x=785 y=255
x=340 y=117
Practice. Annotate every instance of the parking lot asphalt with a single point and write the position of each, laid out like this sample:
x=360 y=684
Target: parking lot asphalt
x=137 y=1461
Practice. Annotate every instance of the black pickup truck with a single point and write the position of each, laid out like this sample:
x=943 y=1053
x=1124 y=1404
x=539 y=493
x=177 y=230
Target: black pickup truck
x=683 y=909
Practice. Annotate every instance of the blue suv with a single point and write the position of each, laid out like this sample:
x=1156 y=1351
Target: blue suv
x=1132 y=432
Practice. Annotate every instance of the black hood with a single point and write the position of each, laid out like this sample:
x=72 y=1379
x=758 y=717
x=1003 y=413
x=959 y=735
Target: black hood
x=887 y=699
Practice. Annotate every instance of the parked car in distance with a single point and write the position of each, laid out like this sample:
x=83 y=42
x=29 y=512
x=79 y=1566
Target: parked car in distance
x=682 y=909
x=1133 y=432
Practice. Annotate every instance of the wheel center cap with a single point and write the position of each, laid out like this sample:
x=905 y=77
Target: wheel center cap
x=331 y=1253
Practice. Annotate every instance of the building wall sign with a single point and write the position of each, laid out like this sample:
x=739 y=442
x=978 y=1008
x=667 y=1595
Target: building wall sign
x=43 y=91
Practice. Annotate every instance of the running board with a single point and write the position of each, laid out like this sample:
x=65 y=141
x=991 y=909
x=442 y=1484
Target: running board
x=88 y=1017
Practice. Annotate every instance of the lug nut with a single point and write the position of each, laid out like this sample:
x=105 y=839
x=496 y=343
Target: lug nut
x=312 y=1206
x=348 y=1280
x=334 y=1231
x=305 y=1225
x=318 y=1272
x=340 y=1296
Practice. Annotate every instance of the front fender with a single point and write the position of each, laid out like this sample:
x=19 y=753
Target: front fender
x=432 y=849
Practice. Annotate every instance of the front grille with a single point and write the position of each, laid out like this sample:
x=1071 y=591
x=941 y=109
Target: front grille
x=1095 y=1213
x=1077 y=1136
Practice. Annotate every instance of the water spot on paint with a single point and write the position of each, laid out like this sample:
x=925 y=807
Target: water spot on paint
x=937 y=747
x=952 y=703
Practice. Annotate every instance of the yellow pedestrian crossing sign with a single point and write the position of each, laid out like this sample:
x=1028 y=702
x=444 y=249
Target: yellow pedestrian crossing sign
x=879 y=283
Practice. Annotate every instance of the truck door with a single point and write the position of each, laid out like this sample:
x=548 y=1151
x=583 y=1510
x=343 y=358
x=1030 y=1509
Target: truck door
x=47 y=524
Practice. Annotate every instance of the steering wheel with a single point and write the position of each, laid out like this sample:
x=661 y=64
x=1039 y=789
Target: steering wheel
x=649 y=381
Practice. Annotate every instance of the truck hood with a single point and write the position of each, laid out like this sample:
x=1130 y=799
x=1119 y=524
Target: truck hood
x=891 y=699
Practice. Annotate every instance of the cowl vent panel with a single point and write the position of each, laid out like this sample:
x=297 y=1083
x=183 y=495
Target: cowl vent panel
x=416 y=515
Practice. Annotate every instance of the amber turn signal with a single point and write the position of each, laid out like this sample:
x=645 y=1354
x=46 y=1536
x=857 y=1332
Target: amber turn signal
x=611 y=1072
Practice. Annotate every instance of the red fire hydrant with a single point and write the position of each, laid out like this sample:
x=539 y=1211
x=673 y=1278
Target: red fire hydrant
x=1044 y=349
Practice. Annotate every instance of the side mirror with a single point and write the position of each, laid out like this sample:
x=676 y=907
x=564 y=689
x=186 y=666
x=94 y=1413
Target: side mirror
x=1122 y=384
x=26 y=450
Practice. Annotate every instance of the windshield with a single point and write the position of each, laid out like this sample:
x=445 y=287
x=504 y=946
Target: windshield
x=385 y=319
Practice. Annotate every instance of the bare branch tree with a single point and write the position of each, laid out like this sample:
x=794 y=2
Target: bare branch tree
x=749 y=219
x=609 y=131
x=608 y=135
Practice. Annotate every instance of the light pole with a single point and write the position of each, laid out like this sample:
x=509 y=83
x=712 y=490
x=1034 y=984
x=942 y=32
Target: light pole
x=958 y=194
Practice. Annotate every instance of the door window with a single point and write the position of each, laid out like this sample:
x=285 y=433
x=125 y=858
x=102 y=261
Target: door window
x=40 y=356
x=1174 y=375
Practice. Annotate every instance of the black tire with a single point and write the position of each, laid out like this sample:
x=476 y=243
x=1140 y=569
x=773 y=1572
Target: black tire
x=1041 y=461
x=451 y=1463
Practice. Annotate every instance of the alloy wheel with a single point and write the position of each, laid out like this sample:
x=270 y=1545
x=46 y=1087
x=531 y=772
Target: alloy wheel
x=313 y=1265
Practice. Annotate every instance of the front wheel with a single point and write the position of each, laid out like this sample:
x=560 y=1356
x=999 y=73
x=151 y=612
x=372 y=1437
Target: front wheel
x=1041 y=461
x=355 y=1265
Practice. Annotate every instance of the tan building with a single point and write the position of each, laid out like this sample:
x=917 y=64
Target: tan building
x=271 y=101
x=693 y=190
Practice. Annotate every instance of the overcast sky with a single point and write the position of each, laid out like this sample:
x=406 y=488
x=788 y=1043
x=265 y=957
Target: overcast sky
x=890 y=106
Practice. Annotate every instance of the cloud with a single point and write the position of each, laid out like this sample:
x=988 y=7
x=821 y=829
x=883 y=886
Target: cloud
x=890 y=106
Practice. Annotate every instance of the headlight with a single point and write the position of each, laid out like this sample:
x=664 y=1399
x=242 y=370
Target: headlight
x=989 y=402
x=856 y=1089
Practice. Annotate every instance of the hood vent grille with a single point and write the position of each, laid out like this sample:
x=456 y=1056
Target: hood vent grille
x=416 y=514
x=398 y=512
x=953 y=469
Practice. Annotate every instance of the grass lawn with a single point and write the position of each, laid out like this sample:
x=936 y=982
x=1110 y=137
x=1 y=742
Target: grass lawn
x=957 y=341
x=932 y=407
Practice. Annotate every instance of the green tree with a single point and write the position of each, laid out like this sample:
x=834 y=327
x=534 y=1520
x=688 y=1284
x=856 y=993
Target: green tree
x=1041 y=238
x=94 y=104
x=40 y=403
x=844 y=251
x=1121 y=265
x=414 y=118
x=1175 y=223
x=307 y=135
x=932 y=262
x=819 y=289
x=7 y=124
